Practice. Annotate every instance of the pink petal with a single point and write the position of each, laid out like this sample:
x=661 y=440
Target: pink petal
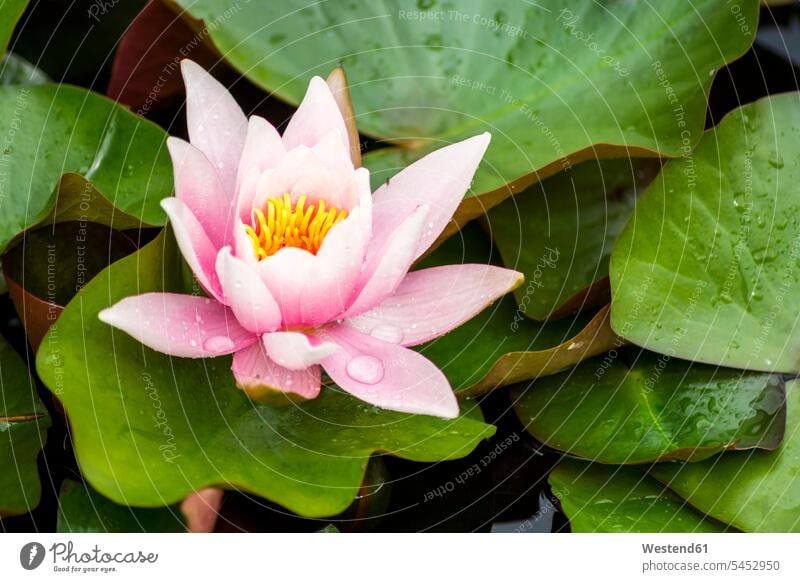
x=302 y=172
x=246 y=294
x=197 y=185
x=329 y=150
x=336 y=270
x=387 y=375
x=384 y=270
x=263 y=149
x=360 y=194
x=256 y=374
x=431 y=302
x=287 y=274
x=438 y=180
x=317 y=115
x=311 y=290
x=294 y=350
x=197 y=249
x=201 y=509
x=217 y=126
x=187 y=326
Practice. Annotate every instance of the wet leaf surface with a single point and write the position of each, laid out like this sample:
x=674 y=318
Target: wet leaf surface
x=653 y=409
x=755 y=491
x=708 y=267
x=607 y=499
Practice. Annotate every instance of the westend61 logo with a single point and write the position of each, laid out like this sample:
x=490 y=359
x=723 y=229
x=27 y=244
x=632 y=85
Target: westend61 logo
x=67 y=559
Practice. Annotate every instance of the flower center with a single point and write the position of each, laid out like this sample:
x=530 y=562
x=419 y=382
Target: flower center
x=283 y=224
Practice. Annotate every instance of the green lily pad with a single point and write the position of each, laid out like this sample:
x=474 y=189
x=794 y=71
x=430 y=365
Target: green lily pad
x=756 y=491
x=606 y=499
x=554 y=84
x=10 y=12
x=177 y=425
x=500 y=346
x=78 y=156
x=15 y=70
x=656 y=409
x=81 y=509
x=707 y=267
x=560 y=233
x=23 y=431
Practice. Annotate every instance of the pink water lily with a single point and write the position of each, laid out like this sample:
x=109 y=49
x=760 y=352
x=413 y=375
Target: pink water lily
x=305 y=267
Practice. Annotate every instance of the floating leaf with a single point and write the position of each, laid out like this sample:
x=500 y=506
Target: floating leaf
x=708 y=267
x=560 y=233
x=755 y=491
x=501 y=346
x=55 y=132
x=427 y=73
x=10 y=11
x=81 y=509
x=177 y=425
x=23 y=431
x=655 y=409
x=50 y=265
x=604 y=499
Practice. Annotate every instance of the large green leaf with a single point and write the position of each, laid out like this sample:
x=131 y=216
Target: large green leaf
x=605 y=499
x=560 y=233
x=149 y=429
x=10 y=11
x=23 y=432
x=76 y=155
x=708 y=267
x=553 y=83
x=501 y=346
x=656 y=409
x=81 y=509
x=753 y=490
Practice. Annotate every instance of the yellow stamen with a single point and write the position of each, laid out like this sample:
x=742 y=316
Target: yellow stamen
x=282 y=224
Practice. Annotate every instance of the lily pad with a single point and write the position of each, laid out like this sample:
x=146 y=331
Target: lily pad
x=500 y=346
x=605 y=499
x=10 y=12
x=707 y=268
x=51 y=264
x=756 y=491
x=81 y=509
x=76 y=155
x=23 y=431
x=177 y=425
x=560 y=233
x=430 y=72
x=655 y=409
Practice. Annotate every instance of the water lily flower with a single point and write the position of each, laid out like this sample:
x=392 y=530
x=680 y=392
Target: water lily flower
x=304 y=266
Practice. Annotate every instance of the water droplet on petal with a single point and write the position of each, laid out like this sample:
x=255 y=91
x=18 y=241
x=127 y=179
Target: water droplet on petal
x=218 y=343
x=387 y=332
x=365 y=369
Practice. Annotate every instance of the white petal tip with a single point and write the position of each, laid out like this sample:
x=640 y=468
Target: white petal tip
x=169 y=204
x=107 y=316
x=447 y=411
